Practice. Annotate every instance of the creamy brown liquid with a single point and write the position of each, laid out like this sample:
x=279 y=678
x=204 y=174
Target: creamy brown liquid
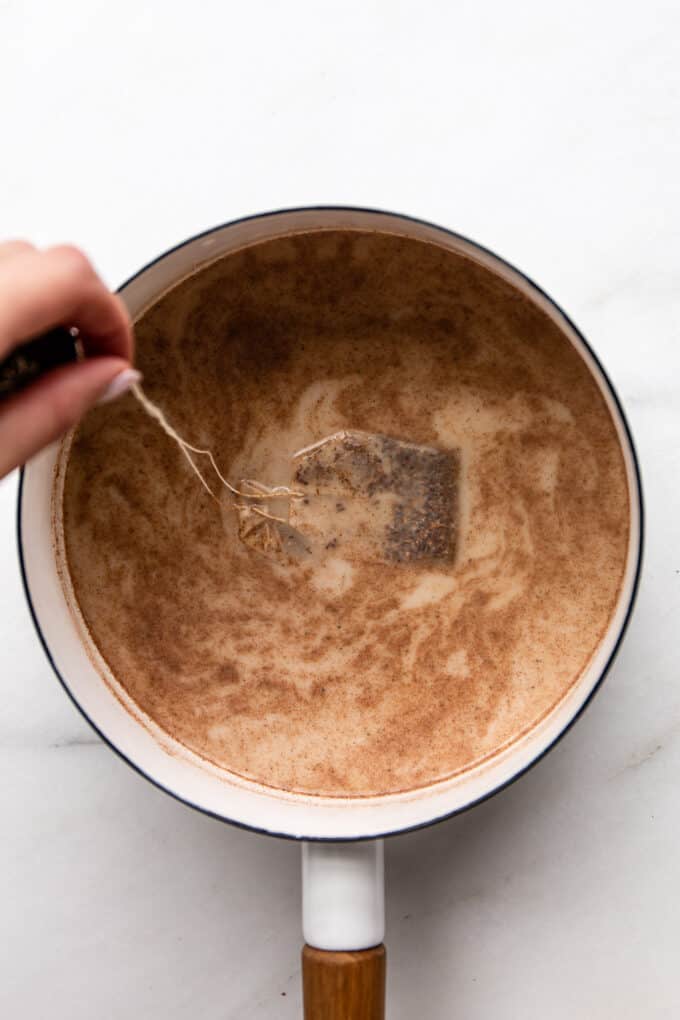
x=341 y=675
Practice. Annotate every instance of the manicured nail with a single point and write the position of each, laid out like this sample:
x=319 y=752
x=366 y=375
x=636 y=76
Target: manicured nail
x=120 y=384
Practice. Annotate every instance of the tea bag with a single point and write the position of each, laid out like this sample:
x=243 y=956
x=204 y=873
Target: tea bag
x=376 y=497
x=367 y=496
x=362 y=494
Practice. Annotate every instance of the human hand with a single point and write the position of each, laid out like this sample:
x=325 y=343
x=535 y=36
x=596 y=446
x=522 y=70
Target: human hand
x=40 y=290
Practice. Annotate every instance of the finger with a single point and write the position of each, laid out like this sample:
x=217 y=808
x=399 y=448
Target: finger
x=10 y=248
x=39 y=290
x=40 y=414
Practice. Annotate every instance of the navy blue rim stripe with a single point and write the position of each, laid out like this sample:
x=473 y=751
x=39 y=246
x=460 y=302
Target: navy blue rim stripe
x=624 y=625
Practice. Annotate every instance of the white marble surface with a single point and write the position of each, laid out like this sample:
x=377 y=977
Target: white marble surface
x=551 y=134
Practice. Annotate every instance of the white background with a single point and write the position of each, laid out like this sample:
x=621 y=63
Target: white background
x=549 y=133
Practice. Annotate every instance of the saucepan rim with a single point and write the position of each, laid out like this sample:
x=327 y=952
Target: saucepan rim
x=636 y=494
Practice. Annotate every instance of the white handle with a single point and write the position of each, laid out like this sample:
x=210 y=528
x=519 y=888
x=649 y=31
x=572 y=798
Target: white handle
x=343 y=895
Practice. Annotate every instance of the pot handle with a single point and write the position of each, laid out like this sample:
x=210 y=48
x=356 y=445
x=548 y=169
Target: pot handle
x=343 y=986
x=343 y=908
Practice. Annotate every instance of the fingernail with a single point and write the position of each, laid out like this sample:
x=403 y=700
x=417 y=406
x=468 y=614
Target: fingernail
x=120 y=384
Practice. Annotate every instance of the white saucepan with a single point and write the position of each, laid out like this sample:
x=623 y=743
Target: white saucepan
x=343 y=911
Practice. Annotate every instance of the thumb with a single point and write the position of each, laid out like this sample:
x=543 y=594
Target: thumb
x=40 y=414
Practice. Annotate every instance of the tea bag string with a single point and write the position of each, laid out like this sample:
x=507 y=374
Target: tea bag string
x=265 y=492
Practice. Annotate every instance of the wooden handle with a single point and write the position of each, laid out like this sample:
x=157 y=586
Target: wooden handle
x=344 y=986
